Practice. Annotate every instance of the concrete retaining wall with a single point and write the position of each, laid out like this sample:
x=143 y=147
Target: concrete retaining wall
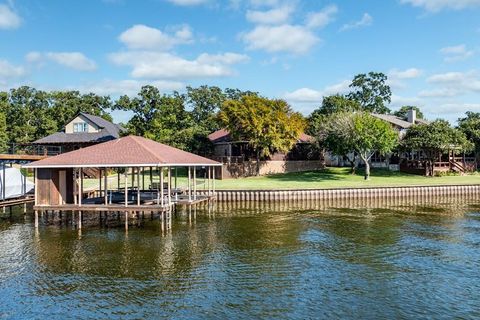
x=420 y=192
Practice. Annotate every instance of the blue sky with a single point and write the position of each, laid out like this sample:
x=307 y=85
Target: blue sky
x=290 y=49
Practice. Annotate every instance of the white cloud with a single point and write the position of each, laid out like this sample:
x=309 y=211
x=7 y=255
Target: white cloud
x=308 y=95
x=438 y=5
x=8 y=18
x=10 y=71
x=264 y=3
x=456 y=53
x=294 y=39
x=73 y=60
x=365 y=21
x=397 y=78
x=162 y=65
x=273 y=16
x=188 y=2
x=34 y=57
x=143 y=37
x=410 y=73
x=452 y=84
x=322 y=18
x=305 y=95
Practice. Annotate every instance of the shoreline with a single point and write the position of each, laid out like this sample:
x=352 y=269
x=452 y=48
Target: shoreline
x=347 y=193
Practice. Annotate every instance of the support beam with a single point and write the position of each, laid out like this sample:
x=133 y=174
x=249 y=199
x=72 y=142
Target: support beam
x=126 y=187
x=105 y=179
x=169 y=187
x=160 y=192
x=189 y=186
x=35 y=188
x=80 y=194
x=138 y=186
x=195 y=183
x=213 y=180
x=100 y=176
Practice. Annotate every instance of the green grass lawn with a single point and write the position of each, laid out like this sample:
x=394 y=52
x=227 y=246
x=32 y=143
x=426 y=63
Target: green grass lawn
x=327 y=178
x=341 y=178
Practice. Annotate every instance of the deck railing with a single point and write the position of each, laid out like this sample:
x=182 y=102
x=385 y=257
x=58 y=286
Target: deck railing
x=34 y=149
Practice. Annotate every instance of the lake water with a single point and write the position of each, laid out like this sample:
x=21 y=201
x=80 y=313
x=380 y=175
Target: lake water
x=241 y=263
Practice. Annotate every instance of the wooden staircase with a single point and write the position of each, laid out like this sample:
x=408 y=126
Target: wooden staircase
x=91 y=172
x=457 y=166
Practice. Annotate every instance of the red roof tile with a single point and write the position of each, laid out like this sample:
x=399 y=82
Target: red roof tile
x=123 y=152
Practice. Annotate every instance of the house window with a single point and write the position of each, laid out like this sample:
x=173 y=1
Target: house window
x=80 y=127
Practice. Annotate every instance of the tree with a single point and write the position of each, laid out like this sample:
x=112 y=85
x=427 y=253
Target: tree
x=372 y=135
x=27 y=115
x=268 y=125
x=205 y=102
x=403 y=112
x=330 y=105
x=335 y=133
x=470 y=126
x=433 y=140
x=64 y=105
x=3 y=132
x=371 y=91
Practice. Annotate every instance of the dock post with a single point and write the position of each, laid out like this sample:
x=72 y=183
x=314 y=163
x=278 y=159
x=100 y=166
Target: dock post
x=169 y=187
x=189 y=185
x=105 y=192
x=126 y=220
x=36 y=219
x=79 y=219
x=138 y=186
x=194 y=183
x=24 y=208
x=160 y=192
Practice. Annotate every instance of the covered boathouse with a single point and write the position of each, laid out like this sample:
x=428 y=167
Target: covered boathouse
x=59 y=180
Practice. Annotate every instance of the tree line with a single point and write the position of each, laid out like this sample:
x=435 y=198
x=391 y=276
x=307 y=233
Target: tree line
x=342 y=124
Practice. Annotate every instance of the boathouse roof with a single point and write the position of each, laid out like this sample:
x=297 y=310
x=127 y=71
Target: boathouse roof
x=130 y=151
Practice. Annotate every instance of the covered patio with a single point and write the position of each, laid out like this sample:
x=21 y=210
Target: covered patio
x=60 y=180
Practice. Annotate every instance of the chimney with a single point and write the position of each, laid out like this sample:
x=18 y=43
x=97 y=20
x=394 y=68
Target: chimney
x=412 y=115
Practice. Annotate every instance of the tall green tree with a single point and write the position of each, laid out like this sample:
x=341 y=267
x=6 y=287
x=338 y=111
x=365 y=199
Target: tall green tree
x=335 y=133
x=28 y=115
x=64 y=105
x=470 y=126
x=162 y=118
x=3 y=132
x=403 y=112
x=205 y=102
x=371 y=91
x=434 y=139
x=330 y=105
x=268 y=125
x=372 y=135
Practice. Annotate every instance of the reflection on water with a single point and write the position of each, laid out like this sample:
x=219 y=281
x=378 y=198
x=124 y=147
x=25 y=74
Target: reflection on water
x=251 y=261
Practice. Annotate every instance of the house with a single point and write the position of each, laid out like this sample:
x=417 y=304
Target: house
x=240 y=158
x=391 y=161
x=399 y=124
x=82 y=131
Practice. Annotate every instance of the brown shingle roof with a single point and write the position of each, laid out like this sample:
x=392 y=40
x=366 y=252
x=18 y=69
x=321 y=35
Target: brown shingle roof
x=124 y=152
x=108 y=131
x=223 y=135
